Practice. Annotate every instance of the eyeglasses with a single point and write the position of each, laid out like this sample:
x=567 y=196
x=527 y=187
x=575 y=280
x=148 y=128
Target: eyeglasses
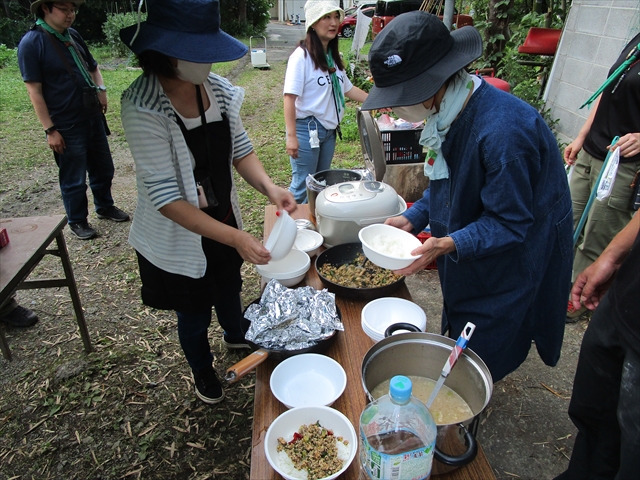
x=65 y=10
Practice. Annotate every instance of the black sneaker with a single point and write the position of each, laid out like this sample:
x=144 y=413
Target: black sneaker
x=208 y=387
x=235 y=343
x=20 y=317
x=83 y=230
x=113 y=213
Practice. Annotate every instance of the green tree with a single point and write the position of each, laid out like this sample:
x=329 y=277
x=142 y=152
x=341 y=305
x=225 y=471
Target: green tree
x=243 y=18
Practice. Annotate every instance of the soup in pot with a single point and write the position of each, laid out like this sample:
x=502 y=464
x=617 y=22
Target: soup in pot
x=448 y=407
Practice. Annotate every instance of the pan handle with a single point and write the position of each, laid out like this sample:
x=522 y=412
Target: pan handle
x=244 y=366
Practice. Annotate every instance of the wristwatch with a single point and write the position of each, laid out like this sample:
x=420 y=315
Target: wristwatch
x=102 y=88
x=52 y=128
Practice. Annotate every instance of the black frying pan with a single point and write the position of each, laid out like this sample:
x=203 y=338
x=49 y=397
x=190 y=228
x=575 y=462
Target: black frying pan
x=260 y=354
x=343 y=254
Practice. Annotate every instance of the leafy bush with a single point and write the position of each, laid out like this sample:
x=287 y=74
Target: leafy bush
x=358 y=71
x=13 y=29
x=256 y=21
x=8 y=56
x=111 y=29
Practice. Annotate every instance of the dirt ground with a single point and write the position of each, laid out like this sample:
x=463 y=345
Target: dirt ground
x=127 y=410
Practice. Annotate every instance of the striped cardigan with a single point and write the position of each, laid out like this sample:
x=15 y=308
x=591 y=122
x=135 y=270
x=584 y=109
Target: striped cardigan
x=164 y=171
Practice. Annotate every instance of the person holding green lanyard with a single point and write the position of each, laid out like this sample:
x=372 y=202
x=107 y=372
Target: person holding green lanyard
x=69 y=97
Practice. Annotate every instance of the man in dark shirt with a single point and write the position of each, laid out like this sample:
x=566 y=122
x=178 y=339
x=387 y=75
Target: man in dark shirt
x=615 y=113
x=67 y=92
x=605 y=404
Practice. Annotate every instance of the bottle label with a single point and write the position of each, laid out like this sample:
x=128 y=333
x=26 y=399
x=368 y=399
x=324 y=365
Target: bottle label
x=411 y=465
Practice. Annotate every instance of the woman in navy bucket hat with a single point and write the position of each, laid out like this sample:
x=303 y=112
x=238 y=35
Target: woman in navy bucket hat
x=189 y=30
x=183 y=126
x=498 y=201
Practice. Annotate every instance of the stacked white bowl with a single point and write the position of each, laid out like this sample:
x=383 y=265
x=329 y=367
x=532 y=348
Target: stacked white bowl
x=309 y=241
x=289 y=271
x=379 y=314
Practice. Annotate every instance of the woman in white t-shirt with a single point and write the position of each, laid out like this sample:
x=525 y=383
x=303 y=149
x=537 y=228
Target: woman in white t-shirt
x=314 y=89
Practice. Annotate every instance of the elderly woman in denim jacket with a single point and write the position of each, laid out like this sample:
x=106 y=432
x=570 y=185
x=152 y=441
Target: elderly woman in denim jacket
x=498 y=202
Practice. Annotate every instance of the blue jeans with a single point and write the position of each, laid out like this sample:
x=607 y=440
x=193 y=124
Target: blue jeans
x=193 y=330
x=86 y=151
x=310 y=160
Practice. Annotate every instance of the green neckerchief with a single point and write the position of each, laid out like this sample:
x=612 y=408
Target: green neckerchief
x=335 y=84
x=621 y=71
x=66 y=39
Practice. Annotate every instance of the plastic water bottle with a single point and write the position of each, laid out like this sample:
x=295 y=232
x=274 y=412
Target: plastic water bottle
x=397 y=435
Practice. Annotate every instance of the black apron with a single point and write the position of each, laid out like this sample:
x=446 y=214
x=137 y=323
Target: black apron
x=210 y=145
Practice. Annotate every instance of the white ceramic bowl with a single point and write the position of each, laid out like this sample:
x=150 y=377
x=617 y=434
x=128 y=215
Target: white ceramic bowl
x=308 y=241
x=282 y=236
x=387 y=246
x=290 y=422
x=378 y=314
x=289 y=271
x=308 y=379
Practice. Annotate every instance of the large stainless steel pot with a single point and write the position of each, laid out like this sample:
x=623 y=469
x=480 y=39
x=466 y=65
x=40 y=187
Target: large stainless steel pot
x=424 y=354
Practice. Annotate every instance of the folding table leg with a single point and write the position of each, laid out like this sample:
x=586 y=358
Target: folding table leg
x=4 y=346
x=73 y=291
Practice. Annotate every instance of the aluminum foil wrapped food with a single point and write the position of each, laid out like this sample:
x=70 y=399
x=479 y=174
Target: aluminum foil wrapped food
x=292 y=318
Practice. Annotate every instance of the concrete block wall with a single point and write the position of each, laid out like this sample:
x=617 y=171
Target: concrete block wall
x=594 y=34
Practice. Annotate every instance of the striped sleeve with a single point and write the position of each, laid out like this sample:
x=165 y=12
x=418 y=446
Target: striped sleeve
x=147 y=136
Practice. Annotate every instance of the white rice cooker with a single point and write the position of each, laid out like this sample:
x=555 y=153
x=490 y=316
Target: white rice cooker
x=342 y=210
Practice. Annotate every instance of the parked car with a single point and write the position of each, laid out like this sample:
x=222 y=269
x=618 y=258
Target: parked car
x=348 y=25
x=386 y=10
x=359 y=6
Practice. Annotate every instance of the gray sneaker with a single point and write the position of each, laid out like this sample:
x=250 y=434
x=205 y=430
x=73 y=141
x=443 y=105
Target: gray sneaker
x=83 y=230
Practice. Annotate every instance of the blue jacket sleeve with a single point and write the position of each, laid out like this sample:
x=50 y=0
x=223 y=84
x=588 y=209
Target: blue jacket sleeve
x=418 y=214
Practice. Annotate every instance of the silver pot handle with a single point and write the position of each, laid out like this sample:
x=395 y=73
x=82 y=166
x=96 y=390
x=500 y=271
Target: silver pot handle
x=460 y=460
x=370 y=221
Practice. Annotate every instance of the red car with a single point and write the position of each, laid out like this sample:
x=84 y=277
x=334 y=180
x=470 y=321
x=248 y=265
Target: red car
x=348 y=25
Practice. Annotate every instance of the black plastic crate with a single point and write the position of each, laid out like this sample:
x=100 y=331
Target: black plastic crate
x=401 y=146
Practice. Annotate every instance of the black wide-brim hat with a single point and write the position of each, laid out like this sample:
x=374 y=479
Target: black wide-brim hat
x=414 y=55
x=186 y=29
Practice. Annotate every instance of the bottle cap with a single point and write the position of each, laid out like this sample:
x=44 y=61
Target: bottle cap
x=400 y=388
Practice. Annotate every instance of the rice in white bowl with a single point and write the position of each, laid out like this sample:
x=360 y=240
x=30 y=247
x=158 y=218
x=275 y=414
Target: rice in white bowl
x=286 y=464
x=394 y=247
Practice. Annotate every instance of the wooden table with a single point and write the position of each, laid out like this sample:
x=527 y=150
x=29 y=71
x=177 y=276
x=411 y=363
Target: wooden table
x=29 y=241
x=349 y=349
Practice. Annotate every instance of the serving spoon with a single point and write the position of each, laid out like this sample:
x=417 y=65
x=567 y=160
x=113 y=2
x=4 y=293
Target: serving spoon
x=460 y=345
